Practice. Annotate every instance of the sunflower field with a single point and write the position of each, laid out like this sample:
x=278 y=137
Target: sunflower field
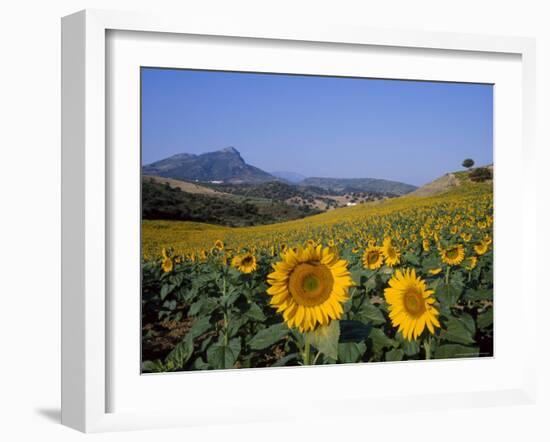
x=409 y=278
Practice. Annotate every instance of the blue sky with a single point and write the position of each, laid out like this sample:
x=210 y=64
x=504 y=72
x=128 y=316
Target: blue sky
x=406 y=131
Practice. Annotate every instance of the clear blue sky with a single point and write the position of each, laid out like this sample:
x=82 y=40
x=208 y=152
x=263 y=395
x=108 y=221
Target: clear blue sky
x=319 y=126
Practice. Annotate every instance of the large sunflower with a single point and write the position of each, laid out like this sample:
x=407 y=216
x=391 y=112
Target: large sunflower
x=391 y=253
x=373 y=258
x=309 y=286
x=452 y=255
x=246 y=263
x=410 y=304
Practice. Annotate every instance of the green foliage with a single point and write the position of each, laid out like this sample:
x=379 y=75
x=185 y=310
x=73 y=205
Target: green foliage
x=163 y=202
x=204 y=314
x=481 y=174
x=268 y=336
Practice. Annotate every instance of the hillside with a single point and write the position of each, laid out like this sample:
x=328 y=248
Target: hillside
x=224 y=165
x=452 y=180
x=165 y=201
x=183 y=235
x=185 y=186
x=440 y=185
x=346 y=185
x=301 y=196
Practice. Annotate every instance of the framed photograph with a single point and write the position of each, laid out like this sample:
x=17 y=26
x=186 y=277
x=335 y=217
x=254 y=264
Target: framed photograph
x=251 y=211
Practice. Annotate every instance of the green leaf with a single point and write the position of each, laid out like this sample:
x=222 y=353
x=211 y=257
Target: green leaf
x=478 y=295
x=410 y=348
x=395 y=355
x=199 y=364
x=350 y=352
x=166 y=289
x=235 y=324
x=199 y=327
x=457 y=331
x=429 y=263
x=485 y=319
x=379 y=340
x=180 y=354
x=468 y=322
x=447 y=295
x=371 y=313
x=370 y=284
x=413 y=259
x=284 y=360
x=457 y=281
x=255 y=312
x=152 y=366
x=325 y=339
x=203 y=306
x=268 y=336
x=354 y=331
x=358 y=275
x=220 y=355
x=455 y=351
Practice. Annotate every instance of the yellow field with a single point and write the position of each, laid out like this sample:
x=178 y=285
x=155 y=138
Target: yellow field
x=406 y=217
x=401 y=279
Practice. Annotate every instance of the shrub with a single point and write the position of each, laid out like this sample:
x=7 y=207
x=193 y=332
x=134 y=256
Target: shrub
x=481 y=174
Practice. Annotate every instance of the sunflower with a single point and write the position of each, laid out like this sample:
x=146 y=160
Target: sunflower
x=390 y=252
x=452 y=255
x=245 y=263
x=410 y=304
x=426 y=245
x=219 y=244
x=466 y=236
x=167 y=265
x=309 y=286
x=435 y=271
x=481 y=247
x=373 y=258
x=471 y=262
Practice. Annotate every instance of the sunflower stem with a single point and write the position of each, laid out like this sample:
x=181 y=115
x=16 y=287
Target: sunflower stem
x=225 y=316
x=428 y=347
x=307 y=349
x=447 y=274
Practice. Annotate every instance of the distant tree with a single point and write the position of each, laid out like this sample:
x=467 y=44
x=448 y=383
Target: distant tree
x=468 y=163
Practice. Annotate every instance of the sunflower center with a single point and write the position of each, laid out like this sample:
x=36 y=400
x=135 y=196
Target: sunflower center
x=372 y=258
x=311 y=283
x=452 y=253
x=414 y=302
x=391 y=252
x=247 y=261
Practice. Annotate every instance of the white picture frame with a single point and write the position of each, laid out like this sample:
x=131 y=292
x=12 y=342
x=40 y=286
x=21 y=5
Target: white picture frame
x=86 y=356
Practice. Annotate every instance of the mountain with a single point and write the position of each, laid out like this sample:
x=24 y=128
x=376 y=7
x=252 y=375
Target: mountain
x=291 y=177
x=224 y=165
x=359 y=185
